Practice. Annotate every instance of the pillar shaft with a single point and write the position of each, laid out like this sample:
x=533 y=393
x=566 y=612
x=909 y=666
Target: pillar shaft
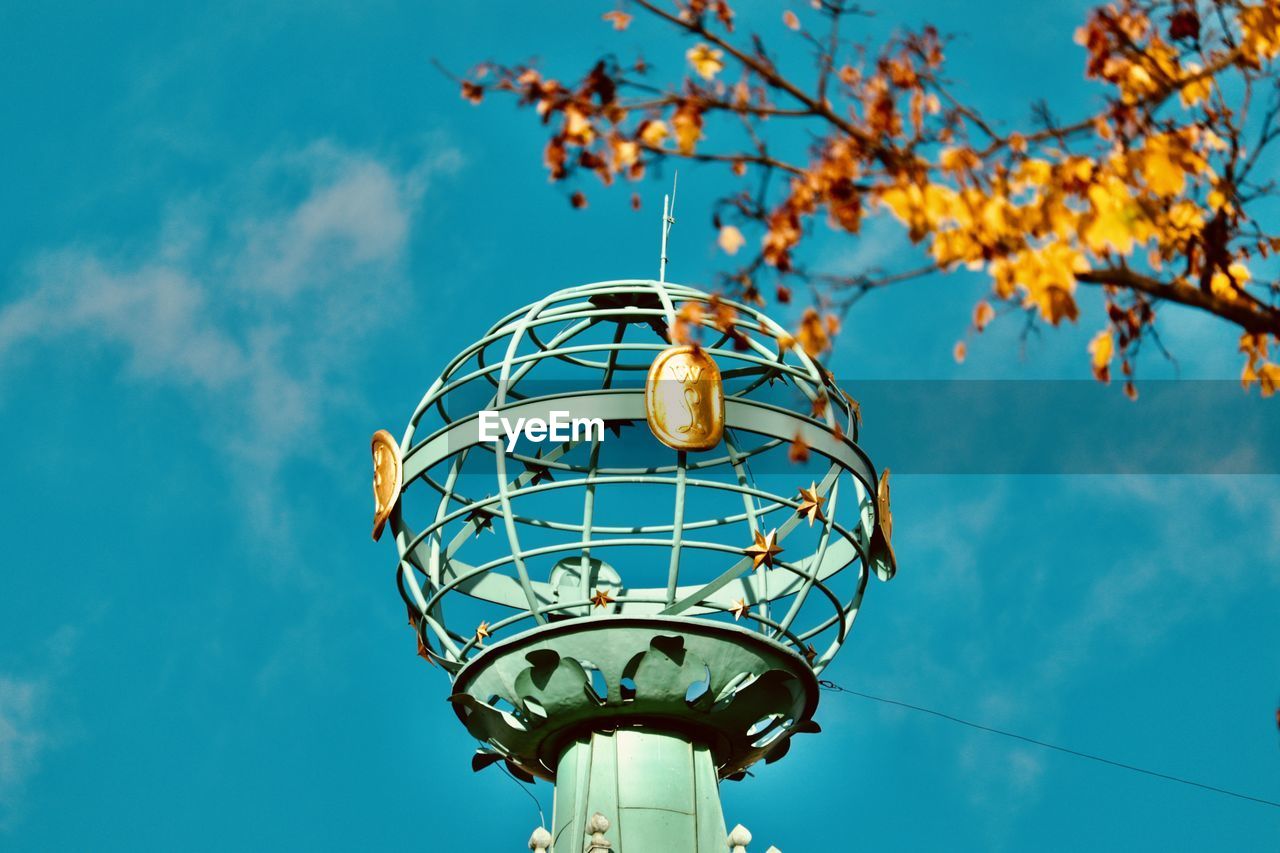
x=658 y=790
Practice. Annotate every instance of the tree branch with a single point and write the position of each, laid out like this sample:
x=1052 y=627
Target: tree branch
x=1249 y=319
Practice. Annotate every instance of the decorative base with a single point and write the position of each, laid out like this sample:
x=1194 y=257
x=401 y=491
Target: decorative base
x=738 y=695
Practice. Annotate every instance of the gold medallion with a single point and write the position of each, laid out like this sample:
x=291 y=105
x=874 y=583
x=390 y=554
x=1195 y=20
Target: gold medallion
x=684 y=399
x=882 y=557
x=387 y=479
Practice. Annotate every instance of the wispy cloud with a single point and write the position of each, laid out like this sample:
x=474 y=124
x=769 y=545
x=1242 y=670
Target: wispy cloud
x=252 y=299
x=26 y=732
x=21 y=740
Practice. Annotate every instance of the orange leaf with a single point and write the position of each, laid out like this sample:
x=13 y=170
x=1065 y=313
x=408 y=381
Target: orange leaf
x=620 y=19
x=789 y=18
x=813 y=333
x=983 y=314
x=688 y=124
x=960 y=351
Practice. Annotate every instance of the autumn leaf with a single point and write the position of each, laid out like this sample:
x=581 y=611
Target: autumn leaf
x=1134 y=205
x=1102 y=349
x=1197 y=90
x=620 y=19
x=1227 y=284
x=706 y=60
x=731 y=239
x=959 y=352
x=983 y=314
x=687 y=121
x=653 y=132
x=812 y=335
x=578 y=200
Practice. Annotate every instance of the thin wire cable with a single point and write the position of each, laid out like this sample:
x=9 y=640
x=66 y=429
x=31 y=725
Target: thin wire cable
x=542 y=820
x=836 y=688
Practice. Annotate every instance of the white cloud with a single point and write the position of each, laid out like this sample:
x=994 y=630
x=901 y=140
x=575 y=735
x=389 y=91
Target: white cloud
x=21 y=740
x=253 y=299
x=26 y=733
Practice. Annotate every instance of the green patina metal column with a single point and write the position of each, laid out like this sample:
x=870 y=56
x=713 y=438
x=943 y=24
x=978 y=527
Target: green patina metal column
x=658 y=790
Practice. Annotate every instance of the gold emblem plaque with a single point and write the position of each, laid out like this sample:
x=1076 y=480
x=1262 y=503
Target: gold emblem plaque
x=684 y=399
x=387 y=479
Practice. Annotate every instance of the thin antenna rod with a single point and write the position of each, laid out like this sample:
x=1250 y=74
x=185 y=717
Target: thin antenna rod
x=668 y=219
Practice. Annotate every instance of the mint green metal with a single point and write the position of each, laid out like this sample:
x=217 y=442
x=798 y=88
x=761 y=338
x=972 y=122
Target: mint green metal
x=529 y=697
x=659 y=789
x=593 y=634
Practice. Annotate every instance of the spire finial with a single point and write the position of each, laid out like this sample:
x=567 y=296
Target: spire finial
x=668 y=219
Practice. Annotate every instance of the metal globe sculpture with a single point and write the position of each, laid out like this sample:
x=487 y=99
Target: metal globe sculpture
x=633 y=591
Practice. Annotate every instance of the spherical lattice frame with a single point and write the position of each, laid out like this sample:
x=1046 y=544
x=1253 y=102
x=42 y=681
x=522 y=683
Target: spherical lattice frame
x=585 y=350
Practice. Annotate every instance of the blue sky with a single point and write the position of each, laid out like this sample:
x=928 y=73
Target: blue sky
x=237 y=238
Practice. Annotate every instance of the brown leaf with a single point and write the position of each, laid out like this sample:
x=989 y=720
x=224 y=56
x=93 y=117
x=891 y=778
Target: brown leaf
x=983 y=314
x=472 y=92
x=578 y=200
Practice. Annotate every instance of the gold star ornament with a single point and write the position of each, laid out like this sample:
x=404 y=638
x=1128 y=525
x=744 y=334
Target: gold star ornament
x=883 y=559
x=482 y=631
x=740 y=608
x=763 y=550
x=601 y=598
x=811 y=504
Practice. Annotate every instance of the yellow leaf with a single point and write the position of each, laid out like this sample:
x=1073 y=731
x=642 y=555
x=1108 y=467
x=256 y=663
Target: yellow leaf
x=1269 y=378
x=1113 y=219
x=653 y=132
x=1195 y=91
x=625 y=152
x=1222 y=283
x=958 y=159
x=706 y=60
x=1260 y=26
x=577 y=127
x=1166 y=159
x=731 y=239
x=1102 y=348
x=1034 y=172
